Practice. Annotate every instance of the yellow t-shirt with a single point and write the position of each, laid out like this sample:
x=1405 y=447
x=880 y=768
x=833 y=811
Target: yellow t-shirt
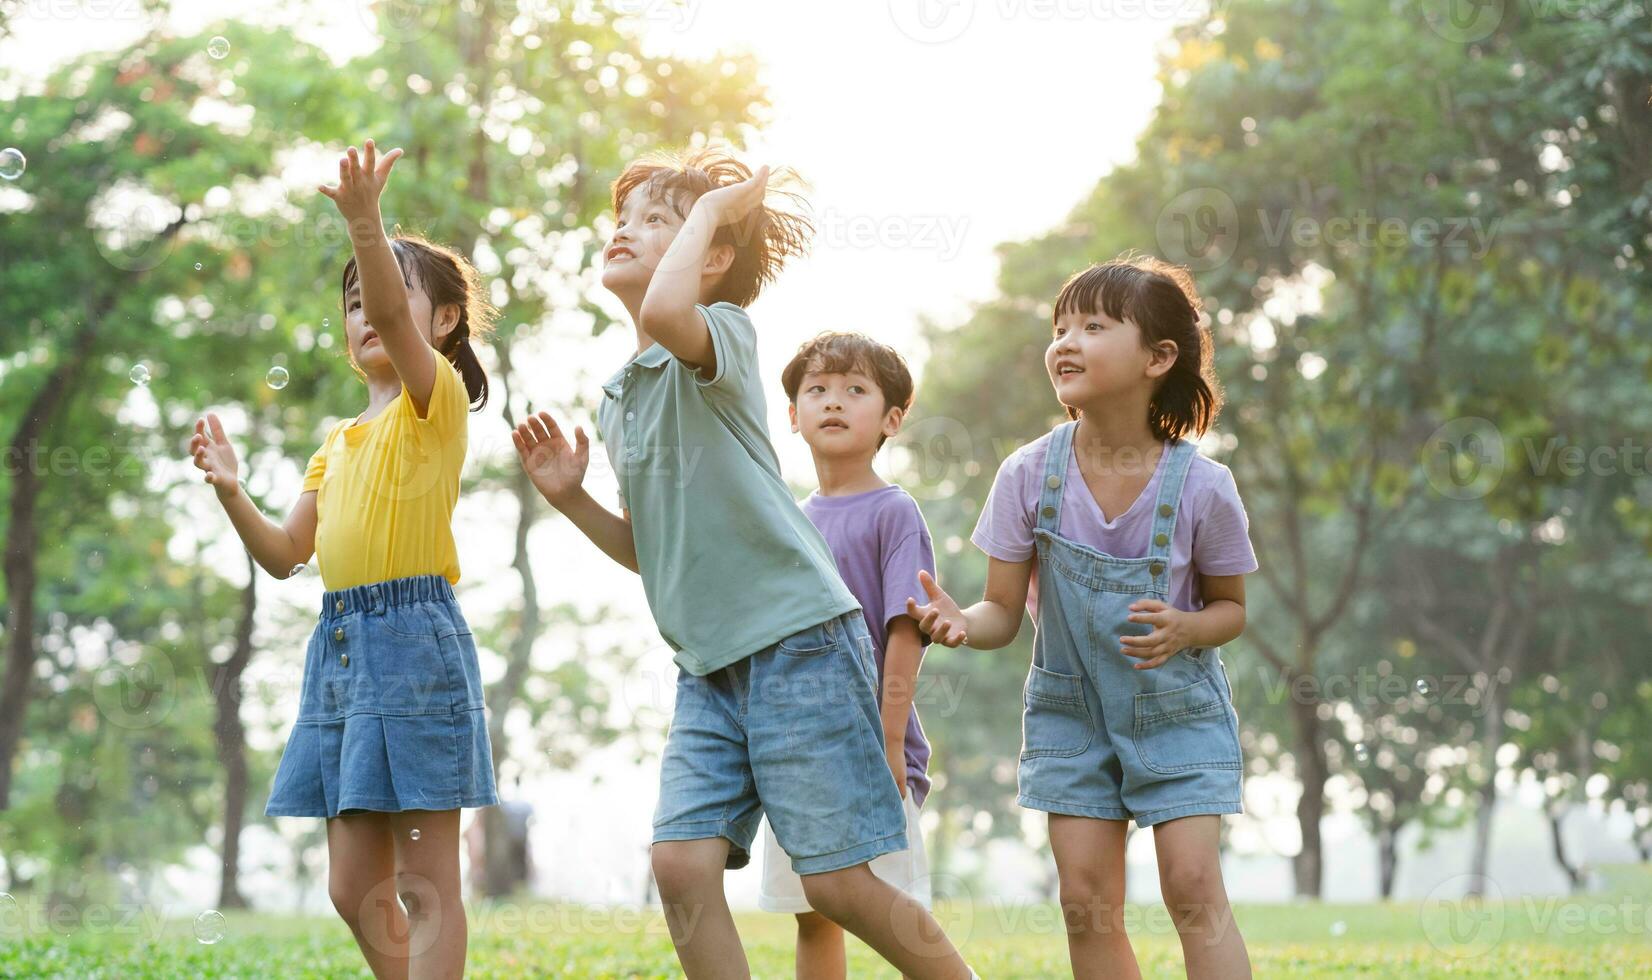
x=387 y=487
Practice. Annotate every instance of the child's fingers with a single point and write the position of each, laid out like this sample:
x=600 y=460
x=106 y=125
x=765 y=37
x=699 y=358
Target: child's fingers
x=329 y=191
x=369 y=156
x=517 y=441
x=355 y=162
x=580 y=438
x=388 y=162
x=217 y=429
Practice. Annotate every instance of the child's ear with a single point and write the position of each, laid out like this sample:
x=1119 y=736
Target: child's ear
x=718 y=260
x=1165 y=353
x=447 y=317
x=791 y=413
x=892 y=420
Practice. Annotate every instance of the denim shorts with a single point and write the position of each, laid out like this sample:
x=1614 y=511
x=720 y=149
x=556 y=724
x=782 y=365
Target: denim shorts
x=390 y=713
x=793 y=732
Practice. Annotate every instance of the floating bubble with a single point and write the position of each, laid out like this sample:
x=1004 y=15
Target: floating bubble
x=197 y=267
x=139 y=374
x=1423 y=686
x=414 y=833
x=297 y=570
x=209 y=927
x=326 y=322
x=1339 y=928
x=1362 y=754
x=12 y=163
x=11 y=916
x=218 y=47
x=276 y=378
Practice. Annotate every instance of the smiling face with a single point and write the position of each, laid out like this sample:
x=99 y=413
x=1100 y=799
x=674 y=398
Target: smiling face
x=1093 y=357
x=843 y=414
x=646 y=225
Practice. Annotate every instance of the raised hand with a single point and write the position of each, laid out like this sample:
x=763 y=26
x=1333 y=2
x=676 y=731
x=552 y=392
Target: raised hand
x=940 y=617
x=556 y=467
x=214 y=456
x=361 y=179
x=735 y=201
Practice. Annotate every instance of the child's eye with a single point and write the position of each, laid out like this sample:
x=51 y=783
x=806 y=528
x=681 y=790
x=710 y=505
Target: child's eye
x=816 y=388
x=1092 y=326
x=857 y=389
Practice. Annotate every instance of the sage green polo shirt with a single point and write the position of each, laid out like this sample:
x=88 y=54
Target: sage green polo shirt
x=729 y=562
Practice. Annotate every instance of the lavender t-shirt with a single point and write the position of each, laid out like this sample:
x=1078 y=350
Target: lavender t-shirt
x=880 y=540
x=1211 y=528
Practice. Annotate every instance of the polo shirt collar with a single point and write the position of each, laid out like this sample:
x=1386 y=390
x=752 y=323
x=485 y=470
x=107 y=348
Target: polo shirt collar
x=653 y=357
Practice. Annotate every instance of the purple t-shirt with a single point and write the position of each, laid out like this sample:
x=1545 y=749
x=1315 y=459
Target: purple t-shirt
x=1211 y=528
x=880 y=540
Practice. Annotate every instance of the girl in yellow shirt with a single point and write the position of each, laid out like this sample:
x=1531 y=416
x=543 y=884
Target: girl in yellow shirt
x=391 y=739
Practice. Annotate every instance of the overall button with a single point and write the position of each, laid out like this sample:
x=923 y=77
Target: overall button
x=1053 y=482
x=338 y=606
x=1161 y=539
x=1164 y=510
x=344 y=660
x=1156 y=567
x=1049 y=512
x=338 y=633
x=630 y=415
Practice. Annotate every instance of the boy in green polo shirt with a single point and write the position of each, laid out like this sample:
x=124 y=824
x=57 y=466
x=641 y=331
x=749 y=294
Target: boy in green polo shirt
x=776 y=707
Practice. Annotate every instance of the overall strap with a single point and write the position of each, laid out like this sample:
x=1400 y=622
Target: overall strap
x=1055 y=474
x=1166 y=507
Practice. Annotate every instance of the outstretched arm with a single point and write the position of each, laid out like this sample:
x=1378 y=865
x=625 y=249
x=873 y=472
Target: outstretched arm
x=361 y=180
x=278 y=548
x=989 y=624
x=557 y=469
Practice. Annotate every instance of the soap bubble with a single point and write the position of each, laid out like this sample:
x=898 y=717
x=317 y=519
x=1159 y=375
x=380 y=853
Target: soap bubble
x=139 y=374
x=414 y=833
x=1339 y=928
x=11 y=916
x=197 y=267
x=276 y=378
x=326 y=322
x=1423 y=687
x=1362 y=754
x=298 y=569
x=12 y=163
x=218 y=47
x=209 y=927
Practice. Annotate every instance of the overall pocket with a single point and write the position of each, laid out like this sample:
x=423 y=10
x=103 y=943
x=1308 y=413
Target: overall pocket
x=1190 y=727
x=1057 y=720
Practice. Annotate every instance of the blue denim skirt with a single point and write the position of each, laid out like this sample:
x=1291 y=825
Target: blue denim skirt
x=390 y=714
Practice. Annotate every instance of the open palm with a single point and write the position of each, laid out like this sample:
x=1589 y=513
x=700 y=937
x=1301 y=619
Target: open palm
x=556 y=466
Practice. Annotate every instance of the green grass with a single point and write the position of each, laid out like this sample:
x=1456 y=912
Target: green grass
x=1590 y=936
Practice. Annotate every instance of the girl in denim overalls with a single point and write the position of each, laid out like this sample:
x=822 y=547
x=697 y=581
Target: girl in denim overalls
x=1130 y=549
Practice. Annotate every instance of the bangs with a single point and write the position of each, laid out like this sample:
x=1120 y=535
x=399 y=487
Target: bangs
x=1113 y=289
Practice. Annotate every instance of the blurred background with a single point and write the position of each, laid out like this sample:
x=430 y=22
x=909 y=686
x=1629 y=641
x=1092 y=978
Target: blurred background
x=1421 y=229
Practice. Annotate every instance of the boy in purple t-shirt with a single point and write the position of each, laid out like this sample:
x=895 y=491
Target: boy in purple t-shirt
x=848 y=394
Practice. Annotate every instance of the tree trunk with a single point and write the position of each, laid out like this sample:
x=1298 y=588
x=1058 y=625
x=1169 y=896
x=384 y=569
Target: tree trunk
x=21 y=548
x=1491 y=739
x=1574 y=874
x=499 y=876
x=1310 y=808
x=1388 y=838
x=231 y=737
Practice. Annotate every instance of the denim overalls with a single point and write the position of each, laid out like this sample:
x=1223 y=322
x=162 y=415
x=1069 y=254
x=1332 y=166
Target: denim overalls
x=1100 y=738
